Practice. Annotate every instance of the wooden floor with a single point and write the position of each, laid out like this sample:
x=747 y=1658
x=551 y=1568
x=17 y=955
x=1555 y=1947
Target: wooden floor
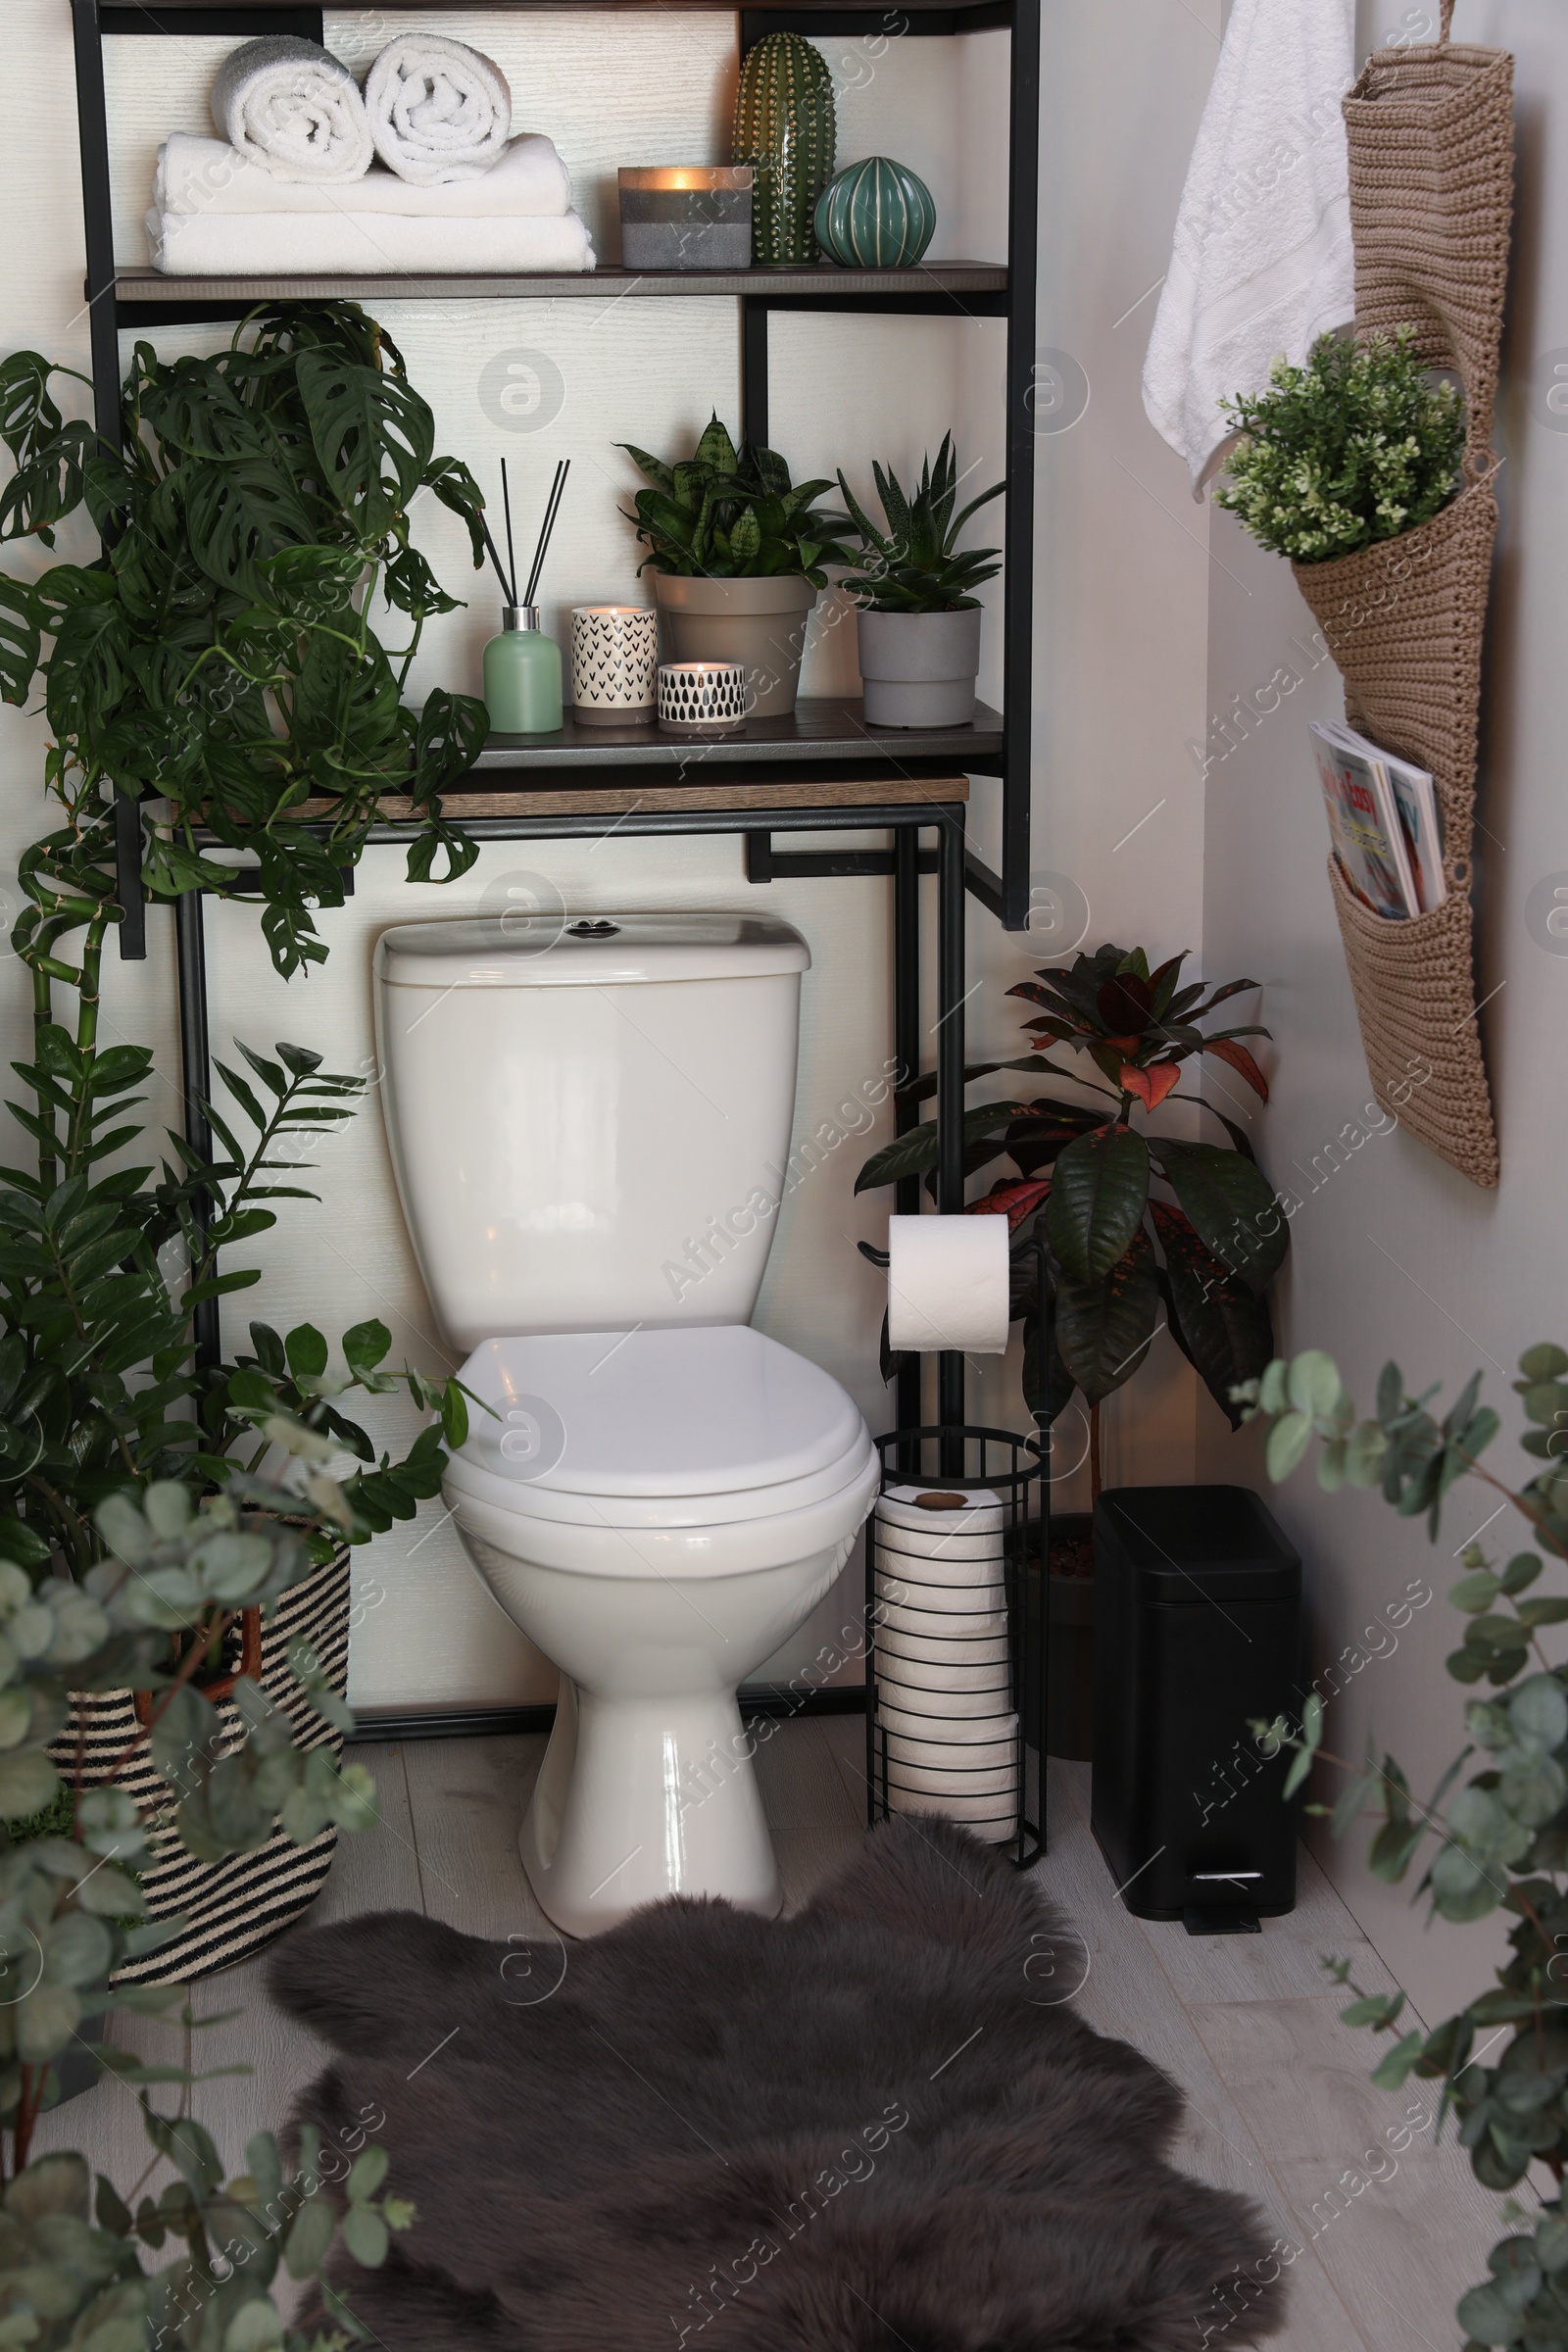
x=1381 y=2225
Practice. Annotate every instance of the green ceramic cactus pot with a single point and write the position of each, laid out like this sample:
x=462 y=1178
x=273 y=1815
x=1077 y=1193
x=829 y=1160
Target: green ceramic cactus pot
x=786 y=129
x=875 y=216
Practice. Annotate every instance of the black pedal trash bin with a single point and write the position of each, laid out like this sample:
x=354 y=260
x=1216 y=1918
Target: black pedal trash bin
x=1197 y=1631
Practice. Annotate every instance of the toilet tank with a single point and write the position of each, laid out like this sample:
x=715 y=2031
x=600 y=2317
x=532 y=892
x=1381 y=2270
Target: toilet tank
x=589 y=1126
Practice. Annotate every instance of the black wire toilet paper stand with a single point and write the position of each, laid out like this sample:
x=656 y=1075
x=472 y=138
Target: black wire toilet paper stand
x=1008 y=1467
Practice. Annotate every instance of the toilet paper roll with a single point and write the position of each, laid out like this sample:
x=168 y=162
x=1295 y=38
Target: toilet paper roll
x=927 y=1727
x=957 y=1602
x=915 y=1545
x=940 y=1625
x=912 y=1680
x=980 y=1510
x=991 y=1780
x=950 y=1756
x=920 y=1710
x=949 y=1283
x=941 y=1649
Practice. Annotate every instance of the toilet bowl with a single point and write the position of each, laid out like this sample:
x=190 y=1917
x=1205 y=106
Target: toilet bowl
x=707 y=1498
x=589 y=1127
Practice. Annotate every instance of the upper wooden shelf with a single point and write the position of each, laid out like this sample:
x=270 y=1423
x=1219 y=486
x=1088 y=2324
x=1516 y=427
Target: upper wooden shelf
x=150 y=12
x=821 y=283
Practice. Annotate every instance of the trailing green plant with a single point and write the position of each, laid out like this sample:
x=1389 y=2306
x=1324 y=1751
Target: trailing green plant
x=1116 y=1255
x=728 y=515
x=78 y=2262
x=915 y=567
x=221 y=659
x=1498 y=1841
x=1356 y=446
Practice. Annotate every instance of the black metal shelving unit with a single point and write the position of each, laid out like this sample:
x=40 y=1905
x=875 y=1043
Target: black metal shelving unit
x=821 y=771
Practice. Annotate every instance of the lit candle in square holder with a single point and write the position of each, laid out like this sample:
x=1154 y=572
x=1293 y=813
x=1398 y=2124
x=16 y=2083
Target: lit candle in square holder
x=686 y=217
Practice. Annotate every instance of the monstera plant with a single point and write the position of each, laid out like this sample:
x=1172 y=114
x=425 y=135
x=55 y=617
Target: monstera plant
x=1201 y=1249
x=1492 y=1836
x=220 y=665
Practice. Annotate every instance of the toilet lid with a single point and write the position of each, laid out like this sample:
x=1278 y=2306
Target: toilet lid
x=655 y=1418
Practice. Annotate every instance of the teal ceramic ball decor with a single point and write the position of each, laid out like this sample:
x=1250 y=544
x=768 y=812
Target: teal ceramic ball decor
x=875 y=216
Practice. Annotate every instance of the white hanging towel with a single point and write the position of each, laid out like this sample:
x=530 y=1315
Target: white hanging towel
x=1262 y=261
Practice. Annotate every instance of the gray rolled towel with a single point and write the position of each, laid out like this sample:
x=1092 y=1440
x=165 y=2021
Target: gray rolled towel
x=287 y=104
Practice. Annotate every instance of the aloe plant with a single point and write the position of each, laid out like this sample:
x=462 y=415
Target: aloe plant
x=914 y=565
x=724 y=514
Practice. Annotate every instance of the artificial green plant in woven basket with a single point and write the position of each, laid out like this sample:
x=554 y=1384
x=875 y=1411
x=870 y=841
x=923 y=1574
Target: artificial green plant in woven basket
x=786 y=129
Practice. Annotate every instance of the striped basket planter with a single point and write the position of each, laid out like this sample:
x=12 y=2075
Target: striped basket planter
x=232 y=1908
x=875 y=216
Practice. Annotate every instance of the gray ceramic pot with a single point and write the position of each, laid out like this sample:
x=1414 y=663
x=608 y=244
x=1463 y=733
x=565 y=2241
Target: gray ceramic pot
x=759 y=624
x=919 y=668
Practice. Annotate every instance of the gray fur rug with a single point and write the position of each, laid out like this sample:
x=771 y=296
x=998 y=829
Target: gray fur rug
x=876 y=2124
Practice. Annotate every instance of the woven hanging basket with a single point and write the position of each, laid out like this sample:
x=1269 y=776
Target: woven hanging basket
x=232 y=1907
x=1430 y=134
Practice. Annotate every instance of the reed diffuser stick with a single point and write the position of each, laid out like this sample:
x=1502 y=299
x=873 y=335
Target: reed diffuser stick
x=549 y=524
x=506 y=590
x=511 y=560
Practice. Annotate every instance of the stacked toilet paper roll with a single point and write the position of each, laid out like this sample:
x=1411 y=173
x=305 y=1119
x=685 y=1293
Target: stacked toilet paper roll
x=942 y=1675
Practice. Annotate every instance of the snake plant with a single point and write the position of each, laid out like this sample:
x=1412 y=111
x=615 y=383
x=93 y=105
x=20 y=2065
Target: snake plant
x=732 y=514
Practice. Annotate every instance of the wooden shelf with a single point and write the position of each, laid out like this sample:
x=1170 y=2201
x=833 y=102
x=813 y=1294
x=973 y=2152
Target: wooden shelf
x=722 y=797
x=138 y=15
x=938 y=283
x=822 y=731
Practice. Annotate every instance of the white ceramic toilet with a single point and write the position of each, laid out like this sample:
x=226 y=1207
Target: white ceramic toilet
x=590 y=1129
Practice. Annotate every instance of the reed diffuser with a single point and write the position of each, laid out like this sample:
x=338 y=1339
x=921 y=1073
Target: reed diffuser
x=522 y=666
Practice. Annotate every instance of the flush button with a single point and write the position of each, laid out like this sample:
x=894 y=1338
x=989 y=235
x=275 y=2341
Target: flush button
x=592 y=930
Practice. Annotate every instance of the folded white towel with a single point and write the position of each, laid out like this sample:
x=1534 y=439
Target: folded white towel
x=329 y=244
x=1262 y=263
x=291 y=107
x=438 y=110
x=205 y=175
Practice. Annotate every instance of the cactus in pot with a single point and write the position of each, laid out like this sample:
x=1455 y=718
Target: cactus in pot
x=786 y=129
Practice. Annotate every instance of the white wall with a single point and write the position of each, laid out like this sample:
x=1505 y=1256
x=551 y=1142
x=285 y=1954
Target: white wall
x=1394 y=1253
x=1119 y=627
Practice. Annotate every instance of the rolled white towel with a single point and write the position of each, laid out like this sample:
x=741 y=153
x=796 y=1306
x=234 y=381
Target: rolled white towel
x=329 y=244
x=208 y=176
x=438 y=110
x=289 y=105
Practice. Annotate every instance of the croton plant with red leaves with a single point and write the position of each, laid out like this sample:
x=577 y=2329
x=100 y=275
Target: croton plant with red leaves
x=1121 y=1258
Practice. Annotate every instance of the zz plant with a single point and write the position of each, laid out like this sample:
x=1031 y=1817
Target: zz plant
x=1494 y=1834
x=1117 y=1253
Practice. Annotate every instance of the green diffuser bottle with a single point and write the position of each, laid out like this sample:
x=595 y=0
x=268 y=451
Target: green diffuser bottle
x=522 y=666
x=786 y=129
x=522 y=675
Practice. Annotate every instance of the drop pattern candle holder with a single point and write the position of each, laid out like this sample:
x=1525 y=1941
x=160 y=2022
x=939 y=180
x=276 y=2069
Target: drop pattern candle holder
x=700 y=698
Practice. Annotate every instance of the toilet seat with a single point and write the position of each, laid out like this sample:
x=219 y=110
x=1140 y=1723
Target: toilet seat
x=689 y=1428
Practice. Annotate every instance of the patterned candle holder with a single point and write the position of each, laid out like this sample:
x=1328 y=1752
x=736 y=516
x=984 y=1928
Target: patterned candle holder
x=615 y=658
x=700 y=698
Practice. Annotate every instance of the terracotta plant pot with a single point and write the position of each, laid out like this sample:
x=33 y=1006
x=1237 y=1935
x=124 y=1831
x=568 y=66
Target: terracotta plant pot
x=917 y=669
x=759 y=624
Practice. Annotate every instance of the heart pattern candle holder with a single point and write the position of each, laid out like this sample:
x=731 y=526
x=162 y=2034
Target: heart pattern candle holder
x=615 y=658
x=700 y=698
